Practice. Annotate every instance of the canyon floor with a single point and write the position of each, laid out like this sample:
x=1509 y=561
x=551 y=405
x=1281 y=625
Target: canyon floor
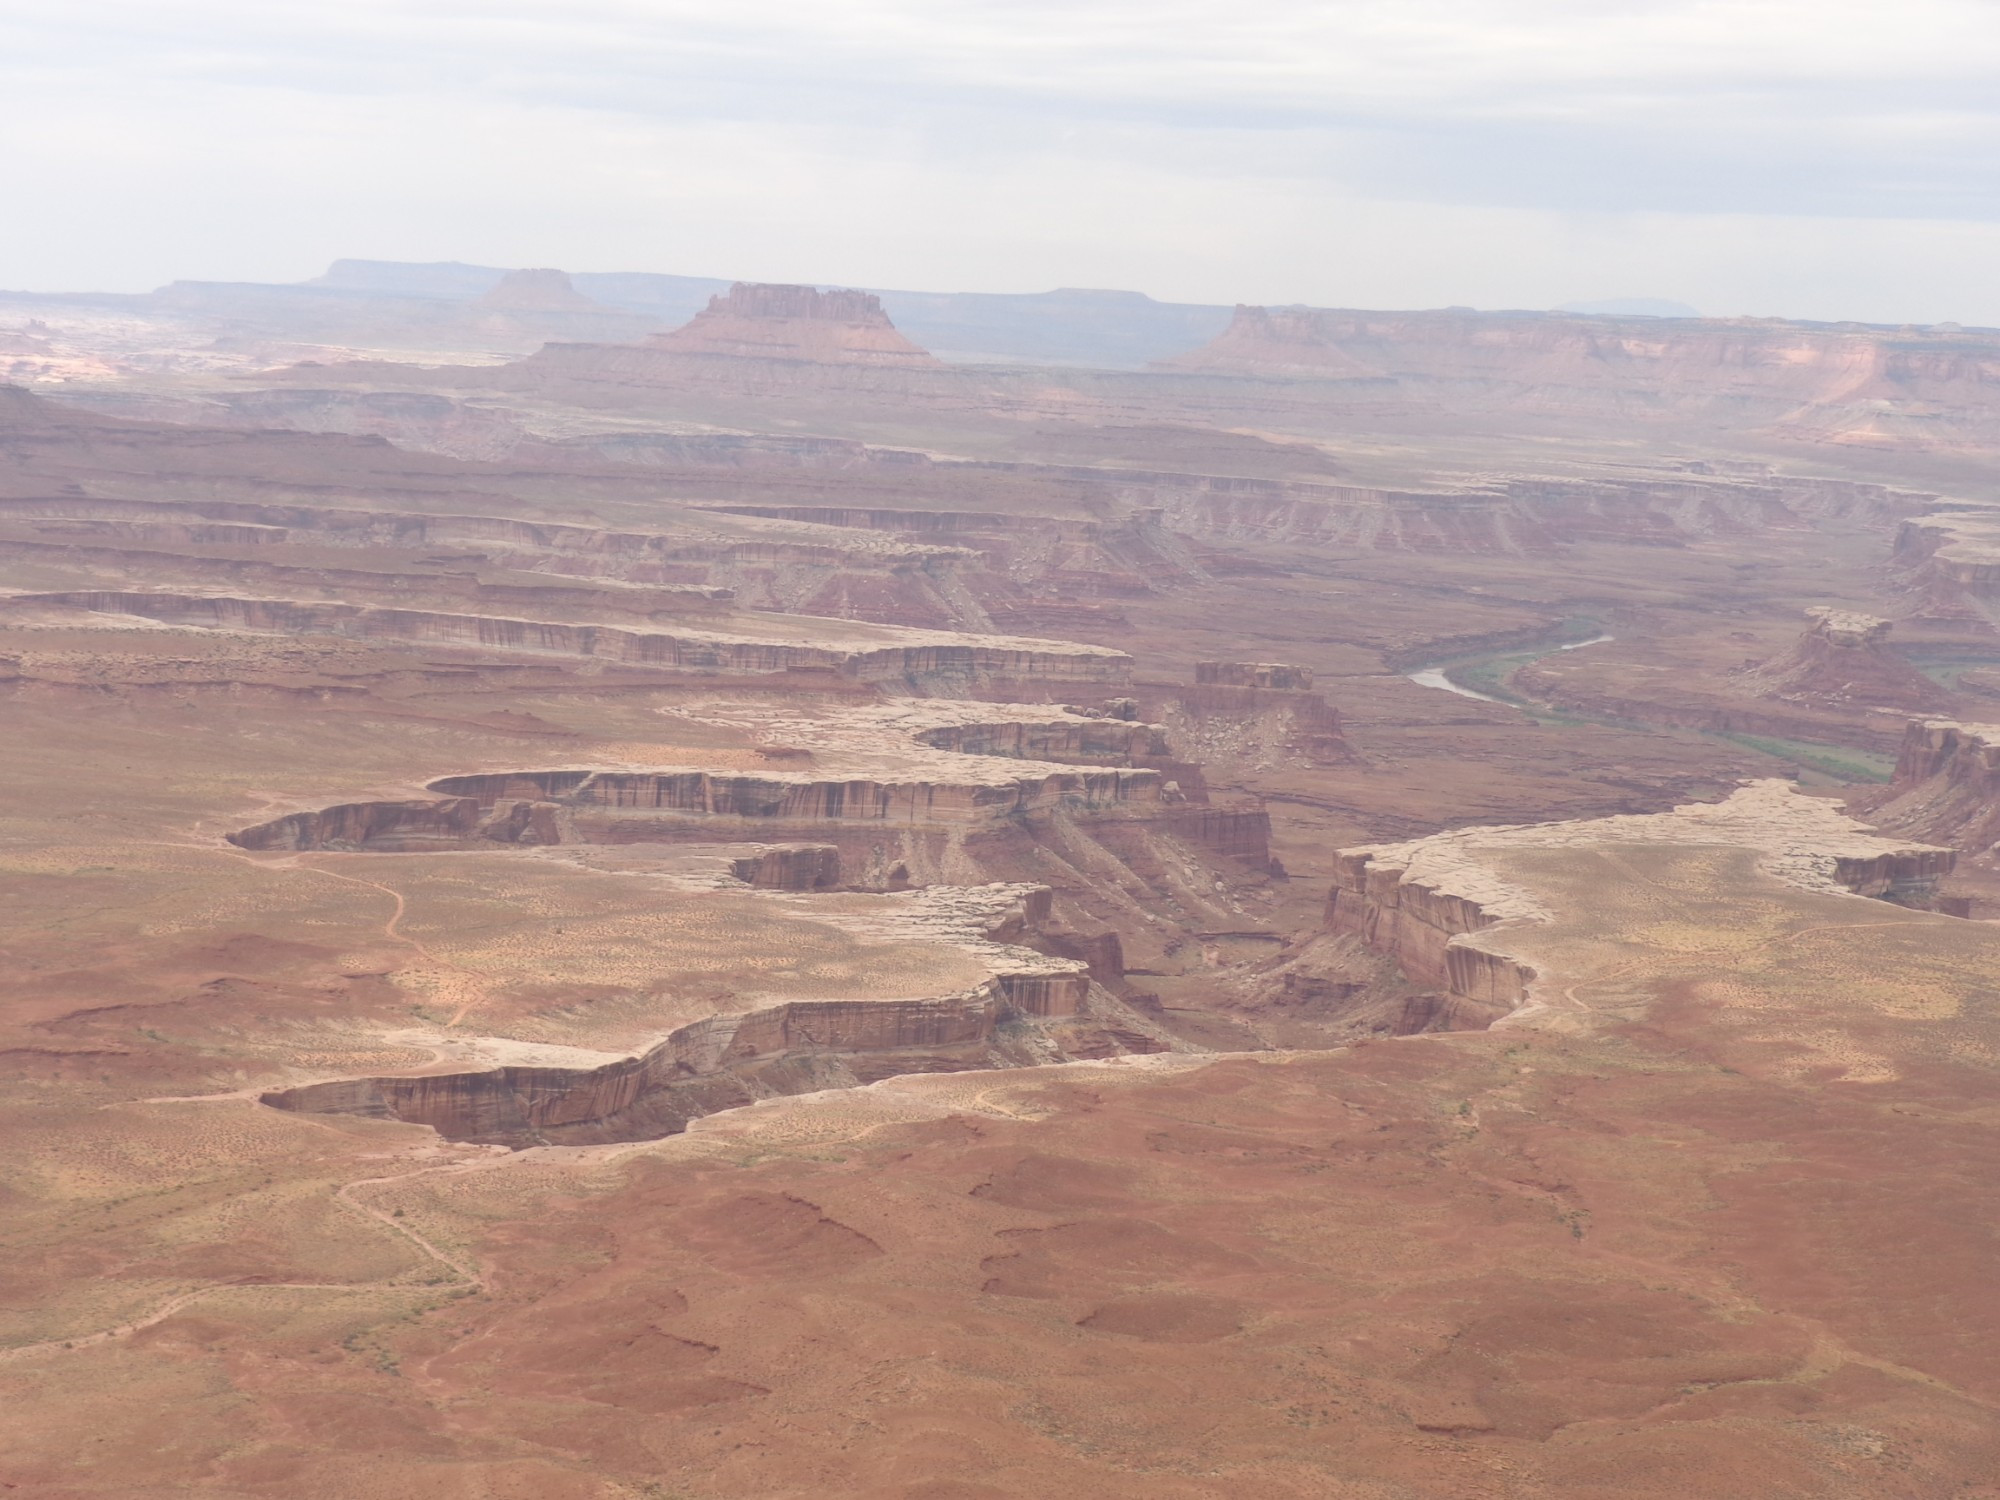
x=745 y=912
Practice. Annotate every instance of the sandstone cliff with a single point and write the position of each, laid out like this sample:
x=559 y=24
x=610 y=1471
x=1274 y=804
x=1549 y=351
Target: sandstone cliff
x=609 y=807
x=1946 y=786
x=1949 y=561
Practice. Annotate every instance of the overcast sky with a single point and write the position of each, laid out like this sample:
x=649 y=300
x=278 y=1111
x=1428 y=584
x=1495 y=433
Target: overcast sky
x=1807 y=158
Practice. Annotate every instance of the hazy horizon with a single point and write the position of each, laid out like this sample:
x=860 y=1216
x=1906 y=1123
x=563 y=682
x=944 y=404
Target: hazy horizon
x=1829 y=162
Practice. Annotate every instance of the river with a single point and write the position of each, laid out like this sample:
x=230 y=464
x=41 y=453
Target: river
x=1434 y=677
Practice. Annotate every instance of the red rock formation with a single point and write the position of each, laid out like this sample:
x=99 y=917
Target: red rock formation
x=1843 y=661
x=762 y=321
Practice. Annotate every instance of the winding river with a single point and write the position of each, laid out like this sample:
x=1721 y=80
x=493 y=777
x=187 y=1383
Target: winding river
x=1434 y=676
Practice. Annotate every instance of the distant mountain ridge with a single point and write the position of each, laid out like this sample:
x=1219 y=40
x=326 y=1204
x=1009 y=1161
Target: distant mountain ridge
x=1096 y=329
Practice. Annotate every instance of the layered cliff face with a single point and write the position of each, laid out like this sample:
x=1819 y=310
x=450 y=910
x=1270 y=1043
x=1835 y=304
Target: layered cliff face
x=1531 y=515
x=926 y=660
x=1851 y=383
x=900 y=795
x=607 y=807
x=1949 y=562
x=1946 y=786
x=762 y=321
x=730 y=1061
x=1843 y=660
x=1425 y=903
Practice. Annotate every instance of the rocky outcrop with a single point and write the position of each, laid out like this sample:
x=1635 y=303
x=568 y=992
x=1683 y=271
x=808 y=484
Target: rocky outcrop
x=1418 y=923
x=1254 y=711
x=794 y=867
x=1946 y=787
x=1239 y=833
x=1039 y=1005
x=1843 y=660
x=762 y=321
x=1076 y=741
x=407 y=827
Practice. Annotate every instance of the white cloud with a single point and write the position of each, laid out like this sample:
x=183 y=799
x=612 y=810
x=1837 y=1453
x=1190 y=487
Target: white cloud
x=1818 y=159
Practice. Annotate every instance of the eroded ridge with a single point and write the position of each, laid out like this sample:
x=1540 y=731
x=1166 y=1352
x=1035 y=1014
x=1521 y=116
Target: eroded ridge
x=1045 y=997
x=927 y=770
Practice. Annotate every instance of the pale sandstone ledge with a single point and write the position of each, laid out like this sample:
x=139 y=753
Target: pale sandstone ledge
x=756 y=643
x=1429 y=902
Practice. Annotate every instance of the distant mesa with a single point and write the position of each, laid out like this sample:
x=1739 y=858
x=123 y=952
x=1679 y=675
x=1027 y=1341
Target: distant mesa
x=766 y=321
x=1631 y=307
x=540 y=290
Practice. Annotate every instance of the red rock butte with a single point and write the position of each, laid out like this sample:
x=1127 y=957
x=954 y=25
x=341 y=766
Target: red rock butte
x=763 y=320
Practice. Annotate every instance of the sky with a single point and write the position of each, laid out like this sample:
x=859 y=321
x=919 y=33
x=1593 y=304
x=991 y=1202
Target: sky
x=1800 y=158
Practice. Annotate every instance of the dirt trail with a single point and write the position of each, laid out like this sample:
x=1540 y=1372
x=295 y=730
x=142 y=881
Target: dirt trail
x=466 y=1278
